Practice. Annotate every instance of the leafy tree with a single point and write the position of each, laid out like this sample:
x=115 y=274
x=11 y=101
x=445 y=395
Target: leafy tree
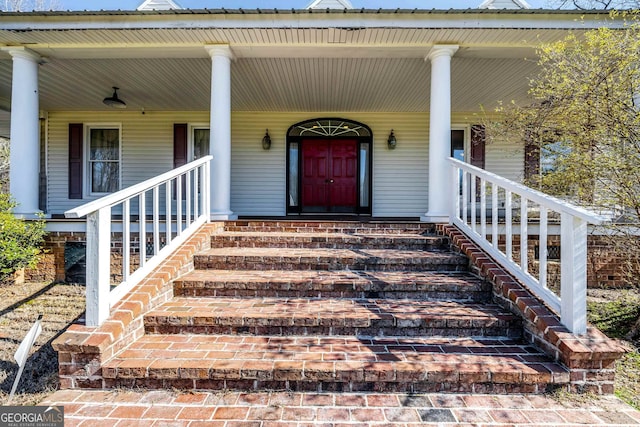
x=595 y=4
x=584 y=118
x=20 y=240
x=28 y=5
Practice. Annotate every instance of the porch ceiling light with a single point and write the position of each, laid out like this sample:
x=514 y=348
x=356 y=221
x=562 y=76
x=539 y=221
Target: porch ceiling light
x=391 y=142
x=266 y=141
x=114 y=101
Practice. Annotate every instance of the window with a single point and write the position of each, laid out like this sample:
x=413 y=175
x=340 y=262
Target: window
x=198 y=141
x=103 y=166
x=457 y=144
x=551 y=156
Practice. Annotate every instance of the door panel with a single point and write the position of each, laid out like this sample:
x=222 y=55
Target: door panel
x=344 y=158
x=315 y=173
x=329 y=175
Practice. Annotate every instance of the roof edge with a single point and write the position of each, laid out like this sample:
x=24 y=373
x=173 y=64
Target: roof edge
x=240 y=11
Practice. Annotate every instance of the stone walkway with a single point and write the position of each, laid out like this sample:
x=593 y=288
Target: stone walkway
x=280 y=409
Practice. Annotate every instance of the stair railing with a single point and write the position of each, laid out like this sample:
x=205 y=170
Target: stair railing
x=161 y=212
x=515 y=213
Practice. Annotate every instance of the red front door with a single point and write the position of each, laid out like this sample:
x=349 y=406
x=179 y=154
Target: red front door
x=329 y=175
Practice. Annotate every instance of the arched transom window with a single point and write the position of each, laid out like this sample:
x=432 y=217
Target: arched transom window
x=329 y=127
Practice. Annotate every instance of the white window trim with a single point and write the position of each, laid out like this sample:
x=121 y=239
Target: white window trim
x=87 y=148
x=191 y=128
x=467 y=139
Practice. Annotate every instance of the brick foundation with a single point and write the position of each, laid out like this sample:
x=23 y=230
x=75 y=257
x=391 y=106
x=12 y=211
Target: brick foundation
x=51 y=266
x=590 y=358
x=81 y=349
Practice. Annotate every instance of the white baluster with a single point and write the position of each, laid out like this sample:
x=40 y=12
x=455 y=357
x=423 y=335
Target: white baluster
x=168 y=211
x=473 y=202
x=179 y=205
x=465 y=195
x=143 y=229
x=524 y=235
x=542 y=247
x=494 y=215
x=187 y=179
x=126 y=240
x=508 y=222
x=483 y=209
x=156 y=220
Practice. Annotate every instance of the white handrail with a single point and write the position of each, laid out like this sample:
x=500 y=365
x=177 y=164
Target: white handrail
x=571 y=304
x=533 y=195
x=129 y=192
x=177 y=229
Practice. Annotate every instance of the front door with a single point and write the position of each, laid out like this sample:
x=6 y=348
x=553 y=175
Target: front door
x=329 y=175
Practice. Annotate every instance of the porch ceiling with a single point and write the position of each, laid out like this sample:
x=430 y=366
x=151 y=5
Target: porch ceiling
x=365 y=61
x=274 y=84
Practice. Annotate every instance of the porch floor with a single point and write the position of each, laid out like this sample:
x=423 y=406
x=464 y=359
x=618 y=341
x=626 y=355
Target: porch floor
x=121 y=408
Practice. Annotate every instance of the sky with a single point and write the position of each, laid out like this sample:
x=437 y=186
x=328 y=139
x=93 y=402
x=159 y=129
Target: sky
x=279 y=4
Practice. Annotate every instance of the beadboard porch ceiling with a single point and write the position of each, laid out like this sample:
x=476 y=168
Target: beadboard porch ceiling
x=360 y=60
x=274 y=84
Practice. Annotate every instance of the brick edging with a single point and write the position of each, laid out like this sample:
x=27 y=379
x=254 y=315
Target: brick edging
x=82 y=349
x=590 y=358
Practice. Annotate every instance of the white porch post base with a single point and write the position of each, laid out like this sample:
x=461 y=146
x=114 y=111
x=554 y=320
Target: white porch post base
x=220 y=134
x=440 y=187
x=222 y=216
x=24 y=167
x=435 y=218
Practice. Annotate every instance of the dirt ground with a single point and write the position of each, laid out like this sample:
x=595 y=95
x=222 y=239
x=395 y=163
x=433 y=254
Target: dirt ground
x=20 y=305
x=61 y=304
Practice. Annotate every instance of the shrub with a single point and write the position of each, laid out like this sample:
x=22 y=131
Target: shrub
x=4 y=165
x=20 y=240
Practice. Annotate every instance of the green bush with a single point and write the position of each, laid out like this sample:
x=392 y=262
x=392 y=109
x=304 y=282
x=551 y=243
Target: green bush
x=20 y=240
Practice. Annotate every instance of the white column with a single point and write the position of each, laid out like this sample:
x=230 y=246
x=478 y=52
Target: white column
x=25 y=131
x=220 y=133
x=440 y=186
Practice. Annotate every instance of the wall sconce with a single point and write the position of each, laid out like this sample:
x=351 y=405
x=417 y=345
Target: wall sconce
x=266 y=141
x=391 y=142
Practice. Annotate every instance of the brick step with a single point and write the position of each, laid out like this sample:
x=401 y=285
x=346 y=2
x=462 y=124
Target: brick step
x=328 y=259
x=348 y=227
x=322 y=316
x=333 y=284
x=231 y=362
x=256 y=239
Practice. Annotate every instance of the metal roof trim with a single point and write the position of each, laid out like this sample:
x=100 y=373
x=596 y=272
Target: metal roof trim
x=259 y=11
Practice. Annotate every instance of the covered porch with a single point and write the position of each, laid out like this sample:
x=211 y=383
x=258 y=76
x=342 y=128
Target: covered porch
x=225 y=78
x=230 y=113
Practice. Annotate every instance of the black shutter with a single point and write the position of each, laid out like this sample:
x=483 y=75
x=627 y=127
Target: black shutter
x=179 y=144
x=76 y=159
x=478 y=143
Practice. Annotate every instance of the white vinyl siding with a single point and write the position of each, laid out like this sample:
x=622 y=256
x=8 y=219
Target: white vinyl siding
x=258 y=177
x=146 y=148
x=506 y=160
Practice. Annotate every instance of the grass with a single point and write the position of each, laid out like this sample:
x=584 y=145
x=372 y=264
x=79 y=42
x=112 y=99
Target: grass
x=20 y=306
x=615 y=312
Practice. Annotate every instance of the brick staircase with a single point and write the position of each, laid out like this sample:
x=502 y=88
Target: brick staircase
x=332 y=306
